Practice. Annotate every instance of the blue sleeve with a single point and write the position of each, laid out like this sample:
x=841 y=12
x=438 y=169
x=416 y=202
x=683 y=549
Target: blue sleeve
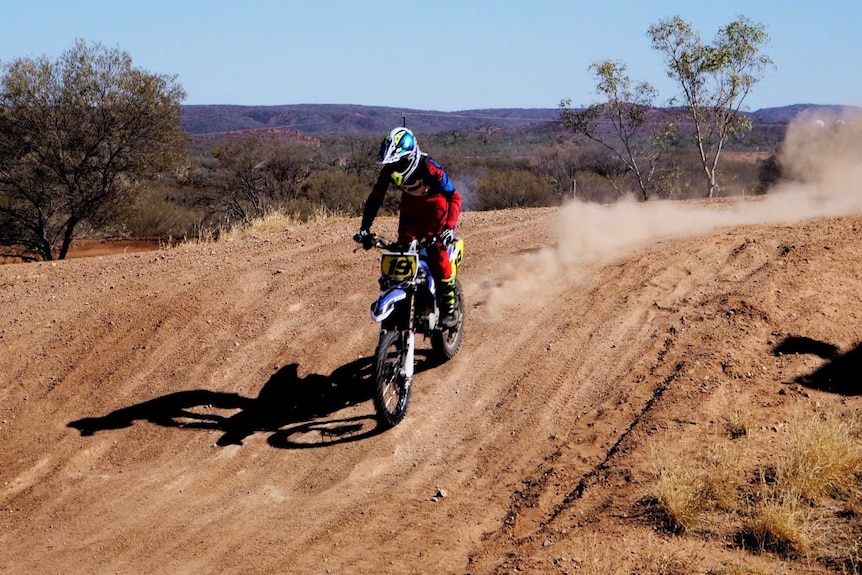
x=440 y=179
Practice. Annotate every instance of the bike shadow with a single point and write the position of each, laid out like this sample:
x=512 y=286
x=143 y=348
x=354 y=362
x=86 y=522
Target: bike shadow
x=838 y=375
x=298 y=412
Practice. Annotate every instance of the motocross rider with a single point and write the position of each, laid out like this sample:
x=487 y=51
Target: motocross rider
x=430 y=206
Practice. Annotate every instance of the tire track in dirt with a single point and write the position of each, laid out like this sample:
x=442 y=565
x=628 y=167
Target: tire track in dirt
x=736 y=281
x=260 y=342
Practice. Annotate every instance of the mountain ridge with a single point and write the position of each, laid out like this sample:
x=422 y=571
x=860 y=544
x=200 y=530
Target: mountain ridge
x=353 y=119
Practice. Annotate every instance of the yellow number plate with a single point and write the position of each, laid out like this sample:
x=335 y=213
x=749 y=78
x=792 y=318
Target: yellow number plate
x=399 y=266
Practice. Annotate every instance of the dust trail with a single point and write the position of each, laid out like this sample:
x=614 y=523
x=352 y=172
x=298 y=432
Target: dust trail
x=823 y=166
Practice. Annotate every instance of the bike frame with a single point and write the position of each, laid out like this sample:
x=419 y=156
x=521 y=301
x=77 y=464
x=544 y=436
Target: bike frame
x=406 y=305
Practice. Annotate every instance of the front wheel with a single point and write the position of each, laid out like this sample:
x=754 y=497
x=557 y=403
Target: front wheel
x=447 y=341
x=391 y=387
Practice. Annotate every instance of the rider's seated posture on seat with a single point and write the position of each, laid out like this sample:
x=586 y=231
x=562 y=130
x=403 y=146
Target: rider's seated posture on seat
x=430 y=206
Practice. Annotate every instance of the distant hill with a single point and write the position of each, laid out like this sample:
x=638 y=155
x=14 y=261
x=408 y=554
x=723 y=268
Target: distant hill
x=784 y=114
x=346 y=119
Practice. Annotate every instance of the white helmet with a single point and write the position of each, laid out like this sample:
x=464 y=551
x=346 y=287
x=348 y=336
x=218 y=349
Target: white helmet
x=400 y=149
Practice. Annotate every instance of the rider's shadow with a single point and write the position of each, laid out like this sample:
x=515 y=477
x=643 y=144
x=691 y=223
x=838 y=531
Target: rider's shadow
x=285 y=400
x=297 y=411
x=840 y=374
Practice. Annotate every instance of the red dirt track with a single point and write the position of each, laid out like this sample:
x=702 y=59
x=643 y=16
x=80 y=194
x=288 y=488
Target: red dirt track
x=206 y=408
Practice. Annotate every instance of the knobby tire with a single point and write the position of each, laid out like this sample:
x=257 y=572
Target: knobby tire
x=447 y=341
x=391 y=393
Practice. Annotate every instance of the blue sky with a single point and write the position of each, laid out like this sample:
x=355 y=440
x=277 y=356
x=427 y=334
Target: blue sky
x=434 y=55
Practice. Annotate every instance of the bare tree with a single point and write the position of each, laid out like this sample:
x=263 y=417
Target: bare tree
x=360 y=159
x=287 y=166
x=560 y=163
x=714 y=79
x=620 y=125
x=240 y=190
x=76 y=135
x=254 y=176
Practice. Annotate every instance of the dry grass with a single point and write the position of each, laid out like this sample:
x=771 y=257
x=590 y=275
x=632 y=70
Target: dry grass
x=823 y=457
x=739 y=422
x=273 y=222
x=663 y=564
x=276 y=221
x=784 y=525
x=688 y=486
x=742 y=568
x=738 y=419
x=794 y=510
x=725 y=474
x=598 y=558
x=679 y=494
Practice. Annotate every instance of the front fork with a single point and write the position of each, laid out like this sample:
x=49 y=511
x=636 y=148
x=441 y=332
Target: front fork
x=409 y=342
x=407 y=364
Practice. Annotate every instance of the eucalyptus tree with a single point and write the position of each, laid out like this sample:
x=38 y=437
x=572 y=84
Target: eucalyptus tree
x=621 y=126
x=714 y=80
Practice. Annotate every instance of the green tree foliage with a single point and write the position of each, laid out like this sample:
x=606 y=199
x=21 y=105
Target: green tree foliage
x=76 y=136
x=715 y=80
x=630 y=139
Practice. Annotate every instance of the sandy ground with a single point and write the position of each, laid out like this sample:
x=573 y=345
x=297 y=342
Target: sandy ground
x=206 y=409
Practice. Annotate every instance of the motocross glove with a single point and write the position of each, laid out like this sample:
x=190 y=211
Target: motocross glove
x=447 y=236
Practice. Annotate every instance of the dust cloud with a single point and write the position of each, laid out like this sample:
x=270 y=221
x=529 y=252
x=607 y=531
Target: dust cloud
x=822 y=163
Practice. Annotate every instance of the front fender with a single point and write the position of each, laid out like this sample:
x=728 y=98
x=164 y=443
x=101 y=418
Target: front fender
x=385 y=304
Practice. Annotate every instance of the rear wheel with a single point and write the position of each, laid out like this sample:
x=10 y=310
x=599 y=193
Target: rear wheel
x=392 y=389
x=447 y=341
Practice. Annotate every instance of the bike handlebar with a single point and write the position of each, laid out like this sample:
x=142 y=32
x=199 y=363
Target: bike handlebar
x=375 y=241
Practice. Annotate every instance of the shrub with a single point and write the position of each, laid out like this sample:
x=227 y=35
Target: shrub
x=769 y=173
x=156 y=211
x=513 y=188
x=739 y=177
x=332 y=191
x=591 y=187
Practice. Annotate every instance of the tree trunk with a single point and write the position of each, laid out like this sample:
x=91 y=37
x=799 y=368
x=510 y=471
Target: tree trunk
x=67 y=239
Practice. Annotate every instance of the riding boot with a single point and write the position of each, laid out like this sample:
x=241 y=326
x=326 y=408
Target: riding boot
x=448 y=305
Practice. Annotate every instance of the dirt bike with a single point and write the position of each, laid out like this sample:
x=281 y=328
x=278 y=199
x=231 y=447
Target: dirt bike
x=408 y=306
